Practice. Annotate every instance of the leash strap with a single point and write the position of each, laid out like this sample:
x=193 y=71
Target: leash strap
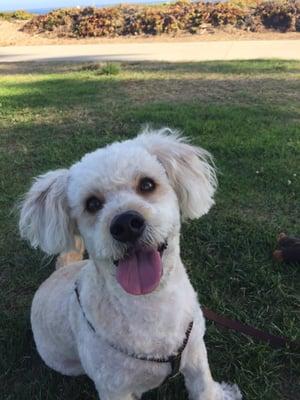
x=274 y=341
x=257 y=334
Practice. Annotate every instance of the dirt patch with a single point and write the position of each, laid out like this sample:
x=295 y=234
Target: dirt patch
x=11 y=35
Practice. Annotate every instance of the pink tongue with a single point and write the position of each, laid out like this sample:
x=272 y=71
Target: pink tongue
x=140 y=272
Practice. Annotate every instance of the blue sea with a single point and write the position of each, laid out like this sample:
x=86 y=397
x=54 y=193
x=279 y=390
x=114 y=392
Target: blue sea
x=109 y=3
x=48 y=9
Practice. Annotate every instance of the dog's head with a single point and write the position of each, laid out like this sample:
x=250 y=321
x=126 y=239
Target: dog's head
x=126 y=201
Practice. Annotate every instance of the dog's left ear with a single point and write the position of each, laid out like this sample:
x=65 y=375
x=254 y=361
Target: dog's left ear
x=189 y=168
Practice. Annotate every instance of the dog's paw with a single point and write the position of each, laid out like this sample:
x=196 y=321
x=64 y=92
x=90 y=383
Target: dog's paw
x=230 y=392
x=70 y=257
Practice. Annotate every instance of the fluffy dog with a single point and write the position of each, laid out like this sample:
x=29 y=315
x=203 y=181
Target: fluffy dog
x=122 y=316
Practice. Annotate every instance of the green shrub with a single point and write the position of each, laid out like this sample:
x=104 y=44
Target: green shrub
x=110 y=69
x=16 y=15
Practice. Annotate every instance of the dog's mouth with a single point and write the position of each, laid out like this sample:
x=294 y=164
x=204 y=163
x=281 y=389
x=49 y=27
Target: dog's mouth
x=140 y=270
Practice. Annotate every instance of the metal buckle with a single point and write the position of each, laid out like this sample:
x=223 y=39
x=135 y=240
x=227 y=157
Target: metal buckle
x=175 y=365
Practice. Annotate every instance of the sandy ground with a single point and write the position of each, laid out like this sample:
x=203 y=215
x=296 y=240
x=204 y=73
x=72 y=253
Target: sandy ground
x=11 y=35
x=155 y=51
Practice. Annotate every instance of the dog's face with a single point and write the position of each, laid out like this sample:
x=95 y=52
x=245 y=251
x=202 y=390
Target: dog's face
x=125 y=200
x=126 y=210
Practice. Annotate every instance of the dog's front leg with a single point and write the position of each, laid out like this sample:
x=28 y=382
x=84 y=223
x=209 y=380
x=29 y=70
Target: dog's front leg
x=197 y=375
x=106 y=395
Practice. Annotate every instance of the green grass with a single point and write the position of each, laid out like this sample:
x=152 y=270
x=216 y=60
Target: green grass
x=248 y=115
x=16 y=15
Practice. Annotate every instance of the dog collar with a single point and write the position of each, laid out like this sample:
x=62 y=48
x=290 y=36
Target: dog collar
x=174 y=359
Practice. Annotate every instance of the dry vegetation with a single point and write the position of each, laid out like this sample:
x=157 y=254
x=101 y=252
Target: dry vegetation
x=180 y=21
x=182 y=16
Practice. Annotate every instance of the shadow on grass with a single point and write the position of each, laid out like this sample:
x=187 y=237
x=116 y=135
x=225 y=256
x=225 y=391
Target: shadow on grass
x=95 y=91
x=72 y=122
x=247 y=67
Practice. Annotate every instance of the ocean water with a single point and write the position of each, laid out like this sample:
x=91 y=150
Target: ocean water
x=48 y=9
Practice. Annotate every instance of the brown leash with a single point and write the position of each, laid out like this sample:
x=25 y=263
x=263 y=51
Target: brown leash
x=257 y=334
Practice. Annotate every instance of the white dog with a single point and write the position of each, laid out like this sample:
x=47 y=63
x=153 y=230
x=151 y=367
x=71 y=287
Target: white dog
x=128 y=317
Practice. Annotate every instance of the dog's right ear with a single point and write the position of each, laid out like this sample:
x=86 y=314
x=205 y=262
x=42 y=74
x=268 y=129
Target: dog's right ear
x=44 y=218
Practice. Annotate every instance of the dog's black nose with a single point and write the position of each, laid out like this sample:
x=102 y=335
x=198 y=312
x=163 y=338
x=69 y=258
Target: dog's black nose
x=127 y=227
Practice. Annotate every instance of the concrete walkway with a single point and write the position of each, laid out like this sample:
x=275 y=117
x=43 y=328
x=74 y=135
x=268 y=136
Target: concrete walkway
x=155 y=51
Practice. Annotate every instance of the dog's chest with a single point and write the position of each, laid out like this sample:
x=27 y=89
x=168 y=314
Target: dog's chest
x=155 y=328
x=117 y=367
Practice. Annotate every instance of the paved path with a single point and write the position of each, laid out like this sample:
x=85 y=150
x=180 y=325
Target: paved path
x=155 y=51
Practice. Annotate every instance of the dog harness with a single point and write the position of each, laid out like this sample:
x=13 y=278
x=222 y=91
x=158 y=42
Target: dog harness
x=174 y=360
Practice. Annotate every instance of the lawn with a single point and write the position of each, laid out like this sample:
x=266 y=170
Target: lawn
x=247 y=114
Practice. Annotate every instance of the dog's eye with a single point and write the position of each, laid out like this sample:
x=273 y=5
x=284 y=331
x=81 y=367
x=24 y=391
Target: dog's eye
x=147 y=185
x=93 y=204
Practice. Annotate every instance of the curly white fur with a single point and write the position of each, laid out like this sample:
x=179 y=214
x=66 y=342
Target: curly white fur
x=154 y=324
